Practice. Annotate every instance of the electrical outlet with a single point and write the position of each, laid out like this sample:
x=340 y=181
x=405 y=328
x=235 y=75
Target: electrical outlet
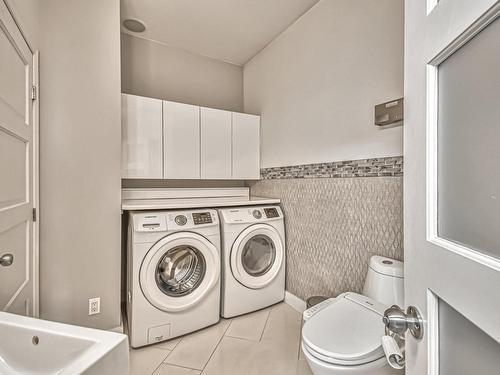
x=94 y=305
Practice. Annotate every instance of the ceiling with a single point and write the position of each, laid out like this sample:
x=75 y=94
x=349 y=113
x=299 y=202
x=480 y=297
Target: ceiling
x=229 y=30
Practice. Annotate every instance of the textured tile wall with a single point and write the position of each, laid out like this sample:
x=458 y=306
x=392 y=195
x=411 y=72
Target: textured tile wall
x=334 y=226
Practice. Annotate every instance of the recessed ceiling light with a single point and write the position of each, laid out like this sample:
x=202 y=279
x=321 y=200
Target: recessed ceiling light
x=134 y=25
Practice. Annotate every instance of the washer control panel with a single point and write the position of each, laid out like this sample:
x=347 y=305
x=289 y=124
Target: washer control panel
x=271 y=212
x=156 y=221
x=181 y=220
x=257 y=214
x=202 y=218
x=150 y=223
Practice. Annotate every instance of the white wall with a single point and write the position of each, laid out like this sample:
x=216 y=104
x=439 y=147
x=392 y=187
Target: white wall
x=80 y=160
x=317 y=83
x=153 y=69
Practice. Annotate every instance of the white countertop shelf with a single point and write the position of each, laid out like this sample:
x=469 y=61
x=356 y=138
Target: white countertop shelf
x=181 y=203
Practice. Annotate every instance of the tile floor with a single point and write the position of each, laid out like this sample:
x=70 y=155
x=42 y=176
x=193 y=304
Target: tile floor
x=263 y=342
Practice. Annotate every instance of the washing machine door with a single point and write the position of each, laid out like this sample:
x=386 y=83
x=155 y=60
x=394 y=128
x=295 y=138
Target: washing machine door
x=257 y=256
x=179 y=271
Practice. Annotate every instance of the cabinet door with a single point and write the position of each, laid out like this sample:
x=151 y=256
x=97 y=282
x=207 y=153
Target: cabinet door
x=215 y=144
x=142 y=151
x=246 y=147
x=181 y=134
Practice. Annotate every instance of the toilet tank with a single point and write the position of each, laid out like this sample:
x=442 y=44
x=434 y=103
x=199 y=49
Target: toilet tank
x=385 y=281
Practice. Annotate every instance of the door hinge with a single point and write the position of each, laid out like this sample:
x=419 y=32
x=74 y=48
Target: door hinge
x=34 y=214
x=33 y=92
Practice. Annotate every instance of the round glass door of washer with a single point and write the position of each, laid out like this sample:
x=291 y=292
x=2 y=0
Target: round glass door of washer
x=179 y=270
x=257 y=256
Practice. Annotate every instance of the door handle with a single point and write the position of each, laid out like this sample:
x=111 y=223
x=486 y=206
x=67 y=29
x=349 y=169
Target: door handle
x=6 y=260
x=398 y=322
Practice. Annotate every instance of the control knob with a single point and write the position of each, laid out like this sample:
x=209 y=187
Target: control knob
x=257 y=214
x=181 y=220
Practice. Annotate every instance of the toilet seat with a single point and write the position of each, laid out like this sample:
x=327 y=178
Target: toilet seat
x=346 y=332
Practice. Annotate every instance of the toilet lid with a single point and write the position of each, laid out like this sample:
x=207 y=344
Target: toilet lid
x=347 y=332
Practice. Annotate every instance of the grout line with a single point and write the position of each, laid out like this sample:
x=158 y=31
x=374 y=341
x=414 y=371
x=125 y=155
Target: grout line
x=157 y=367
x=242 y=338
x=187 y=368
x=265 y=325
x=178 y=342
x=216 y=346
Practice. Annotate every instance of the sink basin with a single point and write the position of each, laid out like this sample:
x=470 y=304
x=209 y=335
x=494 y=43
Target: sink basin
x=31 y=346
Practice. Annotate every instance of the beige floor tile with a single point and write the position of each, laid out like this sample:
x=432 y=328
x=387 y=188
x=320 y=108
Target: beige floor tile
x=230 y=357
x=165 y=369
x=248 y=326
x=283 y=326
x=303 y=368
x=169 y=344
x=194 y=350
x=237 y=356
x=145 y=360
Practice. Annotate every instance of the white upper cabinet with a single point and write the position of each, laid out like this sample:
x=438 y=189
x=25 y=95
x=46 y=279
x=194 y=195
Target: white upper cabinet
x=169 y=140
x=181 y=140
x=215 y=144
x=246 y=150
x=142 y=143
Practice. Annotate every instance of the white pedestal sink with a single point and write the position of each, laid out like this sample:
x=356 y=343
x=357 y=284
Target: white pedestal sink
x=31 y=346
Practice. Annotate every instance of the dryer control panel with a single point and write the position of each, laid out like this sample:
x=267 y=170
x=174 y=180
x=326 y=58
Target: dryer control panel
x=251 y=214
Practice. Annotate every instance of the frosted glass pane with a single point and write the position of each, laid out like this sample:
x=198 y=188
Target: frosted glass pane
x=469 y=144
x=463 y=347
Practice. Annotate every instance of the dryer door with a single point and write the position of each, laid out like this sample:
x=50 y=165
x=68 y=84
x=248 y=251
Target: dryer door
x=179 y=271
x=257 y=256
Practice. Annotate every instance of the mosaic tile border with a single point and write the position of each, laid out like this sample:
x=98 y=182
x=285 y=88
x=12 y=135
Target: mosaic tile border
x=376 y=167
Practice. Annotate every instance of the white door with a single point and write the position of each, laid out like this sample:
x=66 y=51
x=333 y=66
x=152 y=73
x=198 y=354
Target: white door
x=452 y=185
x=215 y=144
x=142 y=137
x=18 y=274
x=246 y=146
x=181 y=134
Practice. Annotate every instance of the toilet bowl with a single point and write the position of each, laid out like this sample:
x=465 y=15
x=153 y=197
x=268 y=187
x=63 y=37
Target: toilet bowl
x=344 y=335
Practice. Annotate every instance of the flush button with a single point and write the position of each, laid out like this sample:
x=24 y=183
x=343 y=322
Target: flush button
x=180 y=220
x=257 y=214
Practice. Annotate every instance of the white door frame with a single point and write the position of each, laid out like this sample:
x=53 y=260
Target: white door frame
x=36 y=186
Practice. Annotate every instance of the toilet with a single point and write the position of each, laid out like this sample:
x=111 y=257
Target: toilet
x=342 y=336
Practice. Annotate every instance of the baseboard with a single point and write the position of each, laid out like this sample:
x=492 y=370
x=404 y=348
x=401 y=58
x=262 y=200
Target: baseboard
x=118 y=329
x=295 y=302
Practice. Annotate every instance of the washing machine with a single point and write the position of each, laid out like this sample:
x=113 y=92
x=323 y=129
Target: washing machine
x=253 y=258
x=173 y=266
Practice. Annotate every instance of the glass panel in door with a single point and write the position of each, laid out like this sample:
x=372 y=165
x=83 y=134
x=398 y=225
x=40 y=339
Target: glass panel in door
x=469 y=144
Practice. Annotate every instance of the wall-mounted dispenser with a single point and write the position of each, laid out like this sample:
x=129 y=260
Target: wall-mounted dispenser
x=389 y=113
